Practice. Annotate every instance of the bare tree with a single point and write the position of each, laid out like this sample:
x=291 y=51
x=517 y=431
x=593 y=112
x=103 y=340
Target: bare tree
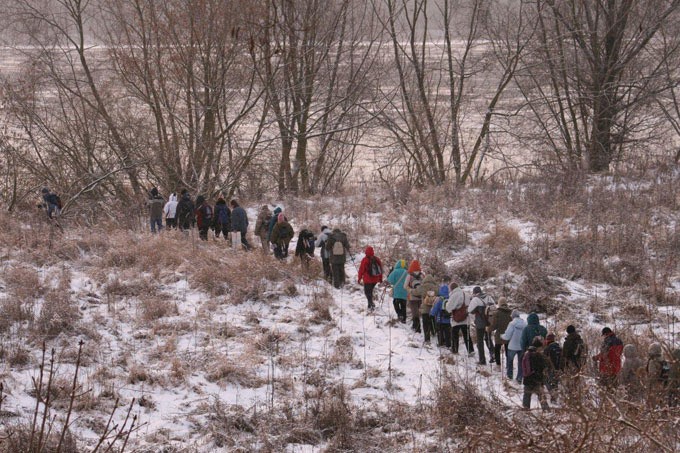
x=315 y=59
x=481 y=45
x=591 y=78
x=185 y=65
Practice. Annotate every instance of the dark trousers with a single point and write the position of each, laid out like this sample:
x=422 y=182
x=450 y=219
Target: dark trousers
x=326 y=268
x=338 y=274
x=244 y=240
x=203 y=233
x=400 y=308
x=428 y=326
x=414 y=308
x=171 y=223
x=368 y=290
x=455 y=332
x=480 y=332
x=444 y=335
x=224 y=229
x=281 y=250
x=497 y=352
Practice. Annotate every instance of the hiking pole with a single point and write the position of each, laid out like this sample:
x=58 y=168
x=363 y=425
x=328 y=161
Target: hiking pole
x=382 y=298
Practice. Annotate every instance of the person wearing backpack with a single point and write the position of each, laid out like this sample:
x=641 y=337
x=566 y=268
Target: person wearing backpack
x=534 y=365
x=204 y=217
x=399 y=294
x=185 y=211
x=457 y=305
x=155 y=203
x=499 y=320
x=442 y=317
x=281 y=236
x=553 y=352
x=305 y=248
x=52 y=203
x=222 y=219
x=532 y=330
x=239 y=223
x=272 y=222
x=513 y=335
x=479 y=307
x=170 y=212
x=428 y=291
x=325 y=253
x=657 y=374
x=337 y=246
x=574 y=351
x=632 y=371
x=370 y=274
x=609 y=358
x=412 y=284
x=262 y=226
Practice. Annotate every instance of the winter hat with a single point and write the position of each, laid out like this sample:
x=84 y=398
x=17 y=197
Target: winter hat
x=444 y=291
x=369 y=251
x=200 y=199
x=502 y=302
x=154 y=192
x=45 y=190
x=606 y=331
x=629 y=351
x=477 y=290
x=571 y=329
x=221 y=201
x=280 y=218
x=514 y=314
x=277 y=210
x=414 y=267
x=537 y=343
x=550 y=338
x=655 y=350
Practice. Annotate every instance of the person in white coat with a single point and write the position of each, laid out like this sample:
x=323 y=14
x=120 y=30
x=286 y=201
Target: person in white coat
x=170 y=212
x=457 y=305
x=513 y=335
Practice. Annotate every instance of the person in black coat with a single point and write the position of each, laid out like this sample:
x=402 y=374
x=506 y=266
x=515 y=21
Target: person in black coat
x=239 y=222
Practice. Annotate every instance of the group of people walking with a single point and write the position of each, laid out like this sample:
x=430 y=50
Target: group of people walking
x=439 y=308
x=443 y=310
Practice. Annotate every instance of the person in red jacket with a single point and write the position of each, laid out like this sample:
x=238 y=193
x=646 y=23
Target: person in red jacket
x=609 y=358
x=370 y=273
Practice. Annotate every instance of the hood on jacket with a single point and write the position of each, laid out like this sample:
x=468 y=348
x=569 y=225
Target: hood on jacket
x=369 y=251
x=444 y=291
x=400 y=264
x=655 y=350
x=221 y=201
x=186 y=196
x=277 y=211
x=532 y=319
x=514 y=314
x=173 y=197
x=199 y=200
x=154 y=192
x=630 y=351
x=414 y=267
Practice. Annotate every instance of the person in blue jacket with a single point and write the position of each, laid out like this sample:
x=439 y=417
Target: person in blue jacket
x=442 y=317
x=396 y=279
x=531 y=331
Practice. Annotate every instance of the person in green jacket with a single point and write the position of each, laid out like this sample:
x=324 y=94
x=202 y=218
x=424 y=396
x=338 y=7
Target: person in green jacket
x=399 y=294
x=532 y=330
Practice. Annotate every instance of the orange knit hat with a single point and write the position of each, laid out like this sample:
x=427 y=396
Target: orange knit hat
x=414 y=266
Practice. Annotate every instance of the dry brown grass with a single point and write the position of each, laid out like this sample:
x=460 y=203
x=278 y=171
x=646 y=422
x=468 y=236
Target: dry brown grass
x=154 y=307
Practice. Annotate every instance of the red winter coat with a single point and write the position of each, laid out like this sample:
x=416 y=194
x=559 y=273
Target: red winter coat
x=609 y=357
x=365 y=265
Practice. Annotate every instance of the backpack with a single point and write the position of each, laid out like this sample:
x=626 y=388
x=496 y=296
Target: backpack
x=374 y=268
x=460 y=314
x=207 y=213
x=338 y=248
x=285 y=232
x=526 y=364
x=580 y=353
x=444 y=314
